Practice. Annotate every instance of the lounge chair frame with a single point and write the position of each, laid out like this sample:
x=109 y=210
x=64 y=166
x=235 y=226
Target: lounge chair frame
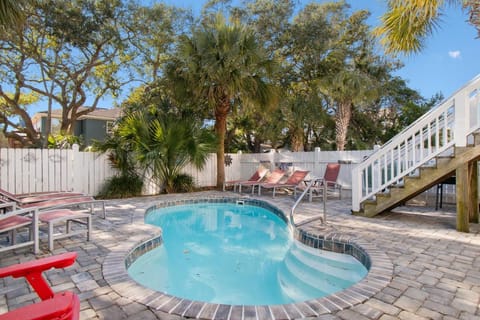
x=297 y=177
x=68 y=218
x=14 y=220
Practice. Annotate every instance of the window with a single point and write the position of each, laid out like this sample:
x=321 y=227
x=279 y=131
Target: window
x=109 y=127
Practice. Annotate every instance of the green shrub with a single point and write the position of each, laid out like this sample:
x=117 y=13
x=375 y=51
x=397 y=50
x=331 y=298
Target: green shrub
x=183 y=183
x=63 y=141
x=124 y=186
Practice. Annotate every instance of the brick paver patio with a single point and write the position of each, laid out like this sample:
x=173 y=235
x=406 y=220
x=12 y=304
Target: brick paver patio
x=436 y=270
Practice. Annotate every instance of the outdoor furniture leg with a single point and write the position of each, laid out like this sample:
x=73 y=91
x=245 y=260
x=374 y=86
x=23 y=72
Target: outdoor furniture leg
x=50 y=236
x=13 y=239
x=89 y=227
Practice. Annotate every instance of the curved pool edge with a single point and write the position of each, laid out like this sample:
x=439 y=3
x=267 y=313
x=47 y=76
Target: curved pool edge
x=116 y=275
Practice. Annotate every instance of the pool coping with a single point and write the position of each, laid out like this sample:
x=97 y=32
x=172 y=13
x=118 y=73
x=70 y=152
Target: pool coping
x=379 y=275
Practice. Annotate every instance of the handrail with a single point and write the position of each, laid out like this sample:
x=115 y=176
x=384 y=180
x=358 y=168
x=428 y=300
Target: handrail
x=444 y=126
x=309 y=185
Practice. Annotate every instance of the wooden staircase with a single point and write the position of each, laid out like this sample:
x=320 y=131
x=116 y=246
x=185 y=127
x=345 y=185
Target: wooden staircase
x=401 y=168
x=426 y=177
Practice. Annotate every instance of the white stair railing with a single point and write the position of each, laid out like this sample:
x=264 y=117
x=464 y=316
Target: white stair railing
x=449 y=124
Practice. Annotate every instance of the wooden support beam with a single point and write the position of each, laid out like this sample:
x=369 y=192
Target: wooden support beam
x=473 y=216
x=463 y=200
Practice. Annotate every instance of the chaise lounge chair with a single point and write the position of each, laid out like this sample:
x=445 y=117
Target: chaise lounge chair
x=64 y=202
x=22 y=199
x=293 y=180
x=328 y=183
x=274 y=177
x=14 y=220
x=256 y=177
x=61 y=306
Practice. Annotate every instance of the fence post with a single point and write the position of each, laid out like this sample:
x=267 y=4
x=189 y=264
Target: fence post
x=316 y=159
x=240 y=166
x=272 y=159
x=76 y=175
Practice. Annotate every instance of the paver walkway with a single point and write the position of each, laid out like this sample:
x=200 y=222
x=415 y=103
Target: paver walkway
x=436 y=269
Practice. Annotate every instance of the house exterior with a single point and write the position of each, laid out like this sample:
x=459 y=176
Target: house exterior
x=96 y=125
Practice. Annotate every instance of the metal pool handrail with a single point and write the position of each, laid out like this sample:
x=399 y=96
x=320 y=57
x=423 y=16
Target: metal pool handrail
x=307 y=189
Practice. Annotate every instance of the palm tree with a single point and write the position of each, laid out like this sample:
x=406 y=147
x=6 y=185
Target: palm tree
x=222 y=64
x=163 y=144
x=408 y=23
x=345 y=89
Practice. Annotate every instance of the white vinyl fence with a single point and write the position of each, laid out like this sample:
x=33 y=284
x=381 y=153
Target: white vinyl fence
x=36 y=170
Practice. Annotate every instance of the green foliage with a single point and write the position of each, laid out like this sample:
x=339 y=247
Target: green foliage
x=159 y=139
x=63 y=141
x=164 y=144
x=67 y=53
x=408 y=23
x=122 y=186
x=183 y=183
x=120 y=154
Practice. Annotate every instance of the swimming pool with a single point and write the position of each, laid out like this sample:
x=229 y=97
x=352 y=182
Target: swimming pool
x=238 y=253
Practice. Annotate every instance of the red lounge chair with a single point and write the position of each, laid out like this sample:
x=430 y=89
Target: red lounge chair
x=273 y=177
x=329 y=180
x=292 y=182
x=256 y=177
x=58 y=306
x=22 y=199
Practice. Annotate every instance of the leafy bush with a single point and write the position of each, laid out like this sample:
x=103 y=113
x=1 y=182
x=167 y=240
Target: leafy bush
x=183 y=183
x=123 y=186
x=63 y=141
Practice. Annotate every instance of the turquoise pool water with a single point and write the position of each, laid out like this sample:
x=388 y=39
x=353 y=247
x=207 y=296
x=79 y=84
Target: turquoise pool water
x=238 y=254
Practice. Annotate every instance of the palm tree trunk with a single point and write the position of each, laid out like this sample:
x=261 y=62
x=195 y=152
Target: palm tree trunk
x=297 y=140
x=221 y=112
x=342 y=121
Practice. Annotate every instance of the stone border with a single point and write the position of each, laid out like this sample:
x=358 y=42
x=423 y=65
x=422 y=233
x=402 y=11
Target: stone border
x=379 y=275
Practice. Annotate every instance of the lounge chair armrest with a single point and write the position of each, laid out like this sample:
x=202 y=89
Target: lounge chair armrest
x=334 y=184
x=32 y=271
x=11 y=205
x=20 y=270
x=68 y=202
x=18 y=212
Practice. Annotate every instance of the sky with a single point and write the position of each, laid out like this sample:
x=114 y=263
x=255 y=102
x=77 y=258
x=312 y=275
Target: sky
x=450 y=59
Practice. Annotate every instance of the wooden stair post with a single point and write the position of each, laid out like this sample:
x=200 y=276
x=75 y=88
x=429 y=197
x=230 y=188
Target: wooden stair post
x=473 y=216
x=464 y=177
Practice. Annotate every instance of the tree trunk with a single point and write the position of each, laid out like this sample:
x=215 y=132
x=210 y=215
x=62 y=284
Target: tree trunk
x=66 y=127
x=221 y=113
x=257 y=145
x=297 y=140
x=342 y=121
x=48 y=127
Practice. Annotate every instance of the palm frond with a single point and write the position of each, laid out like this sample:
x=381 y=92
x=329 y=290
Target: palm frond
x=407 y=24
